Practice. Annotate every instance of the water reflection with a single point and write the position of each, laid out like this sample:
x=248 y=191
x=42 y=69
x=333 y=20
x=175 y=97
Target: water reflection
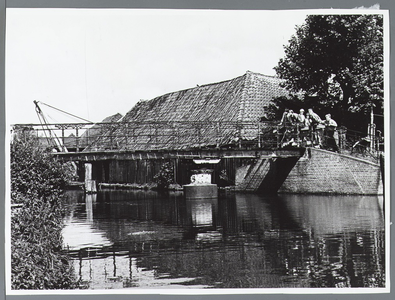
x=123 y=239
x=80 y=232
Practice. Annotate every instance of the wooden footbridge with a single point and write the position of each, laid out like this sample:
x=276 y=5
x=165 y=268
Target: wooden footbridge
x=246 y=156
x=184 y=130
x=134 y=152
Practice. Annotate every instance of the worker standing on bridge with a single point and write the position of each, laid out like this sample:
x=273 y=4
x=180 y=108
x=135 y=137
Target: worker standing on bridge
x=292 y=117
x=303 y=126
x=301 y=117
x=284 y=118
x=283 y=130
x=292 y=129
x=316 y=128
x=330 y=128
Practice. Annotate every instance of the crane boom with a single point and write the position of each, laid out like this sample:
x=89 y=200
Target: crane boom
x=51 y=137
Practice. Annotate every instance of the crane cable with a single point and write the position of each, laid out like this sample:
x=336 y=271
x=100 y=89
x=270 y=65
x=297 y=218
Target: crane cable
x=65 y=112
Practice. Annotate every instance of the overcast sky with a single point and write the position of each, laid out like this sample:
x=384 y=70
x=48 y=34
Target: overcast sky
x=95 y=63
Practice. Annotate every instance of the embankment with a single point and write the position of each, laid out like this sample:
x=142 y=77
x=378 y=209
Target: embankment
x=325 y=172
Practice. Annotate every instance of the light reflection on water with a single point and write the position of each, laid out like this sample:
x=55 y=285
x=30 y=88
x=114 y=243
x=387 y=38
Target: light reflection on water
x=128 y=239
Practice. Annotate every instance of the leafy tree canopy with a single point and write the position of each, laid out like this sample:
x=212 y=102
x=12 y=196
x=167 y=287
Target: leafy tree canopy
x=338 y=61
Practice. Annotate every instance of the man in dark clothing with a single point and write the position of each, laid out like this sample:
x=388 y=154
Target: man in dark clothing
x=316 y=127
x=292 y=117
x=330 y=128
x=284 y=118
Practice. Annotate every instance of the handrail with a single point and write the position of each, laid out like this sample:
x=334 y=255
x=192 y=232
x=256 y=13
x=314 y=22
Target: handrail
x=179 y=134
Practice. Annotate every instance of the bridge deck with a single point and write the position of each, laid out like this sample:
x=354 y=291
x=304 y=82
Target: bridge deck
x=182 y=154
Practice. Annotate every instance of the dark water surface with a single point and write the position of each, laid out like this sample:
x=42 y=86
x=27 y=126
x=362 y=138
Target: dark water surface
x=144 y=239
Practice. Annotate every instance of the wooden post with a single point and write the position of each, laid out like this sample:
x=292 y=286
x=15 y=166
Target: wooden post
x=76 y=139
x=63 y=146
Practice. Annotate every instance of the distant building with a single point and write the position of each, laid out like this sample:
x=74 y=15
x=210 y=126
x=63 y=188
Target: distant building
x=202 y=116
x=90 y=135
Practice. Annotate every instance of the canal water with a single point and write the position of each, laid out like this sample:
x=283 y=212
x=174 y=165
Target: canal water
x=146 y=239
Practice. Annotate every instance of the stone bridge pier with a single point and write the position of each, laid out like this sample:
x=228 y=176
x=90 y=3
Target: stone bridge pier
x=325 y=172
x=316 y=172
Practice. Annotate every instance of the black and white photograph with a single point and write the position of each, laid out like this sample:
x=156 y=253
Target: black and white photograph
x=197 y=151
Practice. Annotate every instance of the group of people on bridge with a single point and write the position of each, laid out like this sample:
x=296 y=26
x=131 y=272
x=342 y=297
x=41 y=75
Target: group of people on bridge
x=300 y=129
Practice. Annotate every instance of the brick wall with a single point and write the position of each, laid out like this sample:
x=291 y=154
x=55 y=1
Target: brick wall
x=321 y=171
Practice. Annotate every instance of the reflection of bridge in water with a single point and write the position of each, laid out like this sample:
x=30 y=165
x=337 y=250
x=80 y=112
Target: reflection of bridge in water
x=148 y=237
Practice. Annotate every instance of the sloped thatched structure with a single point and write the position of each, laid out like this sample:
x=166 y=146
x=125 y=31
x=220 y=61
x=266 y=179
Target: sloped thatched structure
x=204 y=116
x=91 y=134
x=97 y=130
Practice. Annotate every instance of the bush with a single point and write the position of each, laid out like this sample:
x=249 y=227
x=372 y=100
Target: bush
x=34 y=172
x=37 y=179
x=165 y=177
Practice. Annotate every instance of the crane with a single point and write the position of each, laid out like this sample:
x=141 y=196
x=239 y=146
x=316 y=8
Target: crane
x=50 y=135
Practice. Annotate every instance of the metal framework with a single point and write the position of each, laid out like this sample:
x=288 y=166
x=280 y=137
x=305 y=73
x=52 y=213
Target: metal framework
x=158 y=135
x=184 y=135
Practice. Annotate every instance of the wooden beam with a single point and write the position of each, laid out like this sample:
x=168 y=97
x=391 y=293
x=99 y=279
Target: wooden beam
x=187 y=154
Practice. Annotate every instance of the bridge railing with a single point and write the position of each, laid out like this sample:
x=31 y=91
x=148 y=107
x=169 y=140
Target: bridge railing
x=156 y=135
x=368 y=145
x=365 y=145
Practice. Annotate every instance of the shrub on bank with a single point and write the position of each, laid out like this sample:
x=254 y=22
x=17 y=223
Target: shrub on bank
x=165 y=176
x=37 y=180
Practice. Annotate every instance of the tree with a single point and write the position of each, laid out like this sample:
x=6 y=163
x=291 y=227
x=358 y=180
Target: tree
x=338 y=61
x=165 y=177
x=35 y=173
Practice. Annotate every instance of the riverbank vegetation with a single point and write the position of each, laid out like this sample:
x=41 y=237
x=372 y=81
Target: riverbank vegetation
x=165 y=177
x=37 y=180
